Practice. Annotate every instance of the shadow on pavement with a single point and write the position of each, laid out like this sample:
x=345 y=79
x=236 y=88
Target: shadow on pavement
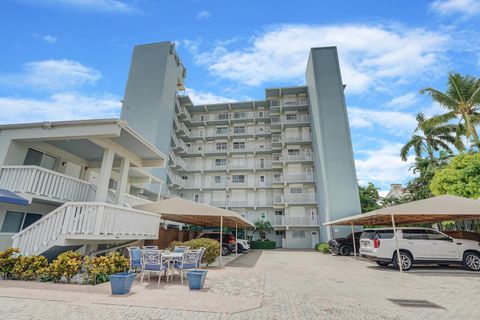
x=247 y=260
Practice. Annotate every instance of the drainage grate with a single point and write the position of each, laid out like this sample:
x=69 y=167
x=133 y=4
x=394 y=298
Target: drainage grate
x=416 y=303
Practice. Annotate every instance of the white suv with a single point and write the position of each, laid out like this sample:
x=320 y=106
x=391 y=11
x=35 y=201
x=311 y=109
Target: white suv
x=419 y=245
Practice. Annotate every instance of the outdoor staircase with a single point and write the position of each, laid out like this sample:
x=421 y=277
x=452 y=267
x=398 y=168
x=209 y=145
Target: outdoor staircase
x=75 y=224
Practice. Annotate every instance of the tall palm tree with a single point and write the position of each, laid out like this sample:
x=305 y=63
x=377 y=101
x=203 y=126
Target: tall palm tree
x=430 y=137
x=462 y=100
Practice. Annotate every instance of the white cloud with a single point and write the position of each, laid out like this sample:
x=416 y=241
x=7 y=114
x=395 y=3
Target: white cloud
x=383 y=166
x=368 y=54
x=404 y=101
x=95 y=5
x=201 y=97
x=48 y=38
x=203 y=15
x=52 y=75
x=60 y=106
x=396 y=123
x=466 y=8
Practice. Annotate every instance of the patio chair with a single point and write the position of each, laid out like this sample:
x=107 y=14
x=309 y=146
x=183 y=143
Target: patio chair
x=135 y=254
x=153 y=261
x=180 y=249
x=189 y=261
x=201 y=251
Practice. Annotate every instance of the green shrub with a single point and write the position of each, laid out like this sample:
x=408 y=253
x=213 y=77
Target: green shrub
x=28 y=267
x=212 y=248
x=267 y=244
x=118 y=262
x=66 y=265
x=322 y=247
x=7 y=262
x=99 y=268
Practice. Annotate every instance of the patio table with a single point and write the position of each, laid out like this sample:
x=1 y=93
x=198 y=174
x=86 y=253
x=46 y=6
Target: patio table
x=172 y=256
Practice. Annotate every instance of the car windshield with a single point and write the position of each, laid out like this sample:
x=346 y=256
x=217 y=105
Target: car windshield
x=377 y=234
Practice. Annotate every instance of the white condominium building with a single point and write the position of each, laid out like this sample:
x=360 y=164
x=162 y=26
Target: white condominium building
x=287 y=159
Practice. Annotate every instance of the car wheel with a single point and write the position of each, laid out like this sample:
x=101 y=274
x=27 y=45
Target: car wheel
x=239 y=248
x=471 y=261
x=225 y=251
x=345 y=250
x=382 y=263
x=405 y=259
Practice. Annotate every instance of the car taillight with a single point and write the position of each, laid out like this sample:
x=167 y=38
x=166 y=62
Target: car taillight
x=376 y=243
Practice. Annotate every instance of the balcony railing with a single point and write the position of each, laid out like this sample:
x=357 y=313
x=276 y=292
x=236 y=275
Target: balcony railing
x=45 y=183
x=288 y=102
x=294 y=177
x=230 y=116
x=224 y=148
x=307 y=220
x=302 y=156
x=298 y=119
x=301 y=198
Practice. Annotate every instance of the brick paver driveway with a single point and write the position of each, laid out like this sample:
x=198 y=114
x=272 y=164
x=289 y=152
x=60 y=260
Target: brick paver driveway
x=276 y=284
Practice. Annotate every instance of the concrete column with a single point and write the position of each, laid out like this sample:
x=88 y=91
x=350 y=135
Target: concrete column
x=123 y=182
x=104 y=177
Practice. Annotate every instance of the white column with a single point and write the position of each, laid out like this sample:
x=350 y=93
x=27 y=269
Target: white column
x=104 y=177
x=236 y=238
x=353 y=240
x=396 y=243
x=123 y=182
x=221 y=240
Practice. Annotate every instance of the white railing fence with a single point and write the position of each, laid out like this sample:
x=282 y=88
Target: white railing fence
x=46 y=183
x=92 y=220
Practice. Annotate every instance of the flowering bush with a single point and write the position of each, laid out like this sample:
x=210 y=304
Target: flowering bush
x=100 y=267
x=66 y=265
x=7 y=262
x=29 y=267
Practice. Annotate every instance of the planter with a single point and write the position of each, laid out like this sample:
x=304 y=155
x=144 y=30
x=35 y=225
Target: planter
x=263 y=244
x=121 y=282
x=196 y=279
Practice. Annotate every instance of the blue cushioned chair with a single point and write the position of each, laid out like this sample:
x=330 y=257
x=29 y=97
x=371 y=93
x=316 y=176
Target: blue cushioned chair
x=135 y=258
x=154 y=261
x=189 y=261
x=180 y=249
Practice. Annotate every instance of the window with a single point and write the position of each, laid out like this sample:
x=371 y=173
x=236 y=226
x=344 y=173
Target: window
x=280 y=232
x=239 y=145
x=279 y=212
x=217 y=179
x=221 y=146
x=239 y=130
x=263 y=216
x=377 y=234
x=298 y=234
x=222 y=130
x=262 y=178
x=291 y=116
x=223 y=116
x=184 y=177
x=196 y=198
x=293 y=152
x=239 y=115
x=112 y=184
x=433 y=235
x=260 y=114
x=238 y=178
x=15 y=221
x=220 y=162
x=414 y=234
x=38 y=158
x=297 y=190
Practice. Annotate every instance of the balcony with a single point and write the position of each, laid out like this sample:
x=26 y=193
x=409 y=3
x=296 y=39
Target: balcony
x=301 y=221
x=296 y=138
x=304 y=156
x=229 y=117
x=294 y=178
x=292 y=199
x=177 y=161
x=41 y=182
x=291 y=120
x=294 y=103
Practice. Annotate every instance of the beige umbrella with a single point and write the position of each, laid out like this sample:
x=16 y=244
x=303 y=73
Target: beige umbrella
x=186 y=211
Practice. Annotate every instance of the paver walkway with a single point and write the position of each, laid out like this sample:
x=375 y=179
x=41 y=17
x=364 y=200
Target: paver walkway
x=276 y=284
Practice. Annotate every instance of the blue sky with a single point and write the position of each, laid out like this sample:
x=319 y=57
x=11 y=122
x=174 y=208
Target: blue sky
x=69 y=59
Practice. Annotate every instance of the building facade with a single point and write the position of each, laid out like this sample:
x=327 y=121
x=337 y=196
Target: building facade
x=286 y=159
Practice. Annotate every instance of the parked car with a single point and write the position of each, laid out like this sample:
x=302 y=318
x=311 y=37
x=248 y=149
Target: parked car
x=228 y=241
x=243 y=245
x=419 y=246
x=344 y=246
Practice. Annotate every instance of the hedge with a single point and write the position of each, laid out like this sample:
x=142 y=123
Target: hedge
x=212 y=248
x=267 y=244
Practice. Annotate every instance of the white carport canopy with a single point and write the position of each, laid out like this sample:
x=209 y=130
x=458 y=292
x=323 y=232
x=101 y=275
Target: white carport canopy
x=432 y=210
x=186 y=211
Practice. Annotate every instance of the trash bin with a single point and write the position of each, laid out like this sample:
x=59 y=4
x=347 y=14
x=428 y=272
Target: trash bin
x=122 y=282
x=196 y=279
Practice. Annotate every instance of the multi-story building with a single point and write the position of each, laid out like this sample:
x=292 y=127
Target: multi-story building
x=287 y=159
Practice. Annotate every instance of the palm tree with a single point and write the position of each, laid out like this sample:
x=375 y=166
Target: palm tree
x=462 y=100
x=431 y=137
x=263 y=227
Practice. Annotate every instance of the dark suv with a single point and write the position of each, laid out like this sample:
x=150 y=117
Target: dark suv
x=228 y=241
x=344 y=246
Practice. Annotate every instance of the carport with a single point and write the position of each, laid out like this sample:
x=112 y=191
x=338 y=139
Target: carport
x=200 y=214
x=432 y=210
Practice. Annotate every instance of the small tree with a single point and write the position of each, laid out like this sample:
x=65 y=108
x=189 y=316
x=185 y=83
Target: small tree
x=66 y=265
x=369 y=197
x=461 y=177
x=263 y=227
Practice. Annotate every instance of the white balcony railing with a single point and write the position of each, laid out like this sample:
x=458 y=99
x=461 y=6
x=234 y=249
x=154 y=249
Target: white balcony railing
x=307 y=220
x=86 y=220
x=301 y=137
x=294 y=177
x=301 y=198
x=296 y=119
x=288 y=102
x=230 y=116
x=294 y=157
x=45 y=183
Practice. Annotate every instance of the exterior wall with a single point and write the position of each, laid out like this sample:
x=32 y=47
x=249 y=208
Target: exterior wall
x=34 y=207
x=336 y=177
